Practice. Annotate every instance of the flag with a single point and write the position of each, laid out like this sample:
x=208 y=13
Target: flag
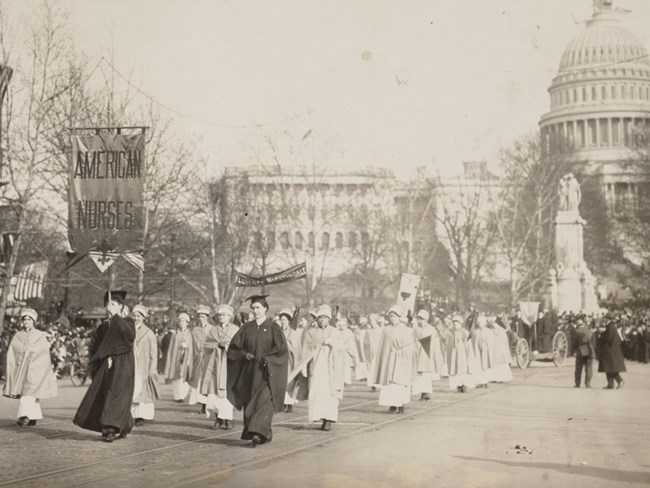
x=528 y=311
x=408 y=289
x=30 y=281
x=104 y=260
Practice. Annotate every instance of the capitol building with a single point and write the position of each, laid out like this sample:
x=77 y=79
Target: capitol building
x=600 y=99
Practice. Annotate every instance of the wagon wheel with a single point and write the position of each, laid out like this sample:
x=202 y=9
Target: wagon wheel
x=77 y=375
x=560 y=348
x=522 y=354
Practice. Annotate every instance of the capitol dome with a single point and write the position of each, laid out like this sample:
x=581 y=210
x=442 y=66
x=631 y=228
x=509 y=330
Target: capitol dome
x=603 y=42
x=601 y=92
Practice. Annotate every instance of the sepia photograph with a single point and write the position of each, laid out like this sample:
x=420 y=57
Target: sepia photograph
x=325 y=243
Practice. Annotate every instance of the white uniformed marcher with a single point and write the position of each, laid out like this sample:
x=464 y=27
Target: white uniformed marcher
x=29 y=374
x=146 y=349
x=215 y=368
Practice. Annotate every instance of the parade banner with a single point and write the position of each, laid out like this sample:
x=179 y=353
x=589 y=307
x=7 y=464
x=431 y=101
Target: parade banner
x=408 y=290
x=105 y=200
x=296 y=272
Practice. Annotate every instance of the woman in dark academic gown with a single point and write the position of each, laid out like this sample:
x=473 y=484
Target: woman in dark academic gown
x=106 y=407
x=258 y=359
x=610 y=357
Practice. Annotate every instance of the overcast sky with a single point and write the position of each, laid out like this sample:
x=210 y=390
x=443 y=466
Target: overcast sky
x=378 y=83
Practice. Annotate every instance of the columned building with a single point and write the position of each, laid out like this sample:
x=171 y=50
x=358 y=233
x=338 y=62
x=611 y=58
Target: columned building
x=600 y=98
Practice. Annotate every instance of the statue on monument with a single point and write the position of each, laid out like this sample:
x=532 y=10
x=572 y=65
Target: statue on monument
x=569 y=193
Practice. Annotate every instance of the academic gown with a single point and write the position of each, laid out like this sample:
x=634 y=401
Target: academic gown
x=258 y=385
x=108 y=399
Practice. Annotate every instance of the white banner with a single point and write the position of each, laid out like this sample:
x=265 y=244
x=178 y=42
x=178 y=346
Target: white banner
x=408 y=290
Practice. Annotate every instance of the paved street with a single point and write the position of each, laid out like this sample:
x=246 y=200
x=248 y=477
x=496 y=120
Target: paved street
x=536 y=431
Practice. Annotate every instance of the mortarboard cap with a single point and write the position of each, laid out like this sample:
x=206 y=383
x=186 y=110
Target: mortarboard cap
x=258 y=299
x=118 y=296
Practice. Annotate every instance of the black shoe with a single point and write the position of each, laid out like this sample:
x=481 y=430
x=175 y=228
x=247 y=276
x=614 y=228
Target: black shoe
x=400 y=409
x=203 y=410
x=284 y=408
x=110 y=436
x=179 y=401
x=32 y=422
x=256 y=440
x=620 y=385
x=122 y=435
x=392 y=410
x=139 y=422
x=427 y=397
x=22 y=422
x=608 y=387
x=463 y=389
x=289 y=408
x=326 y=425
x=374 y=388
x=227 y=425
x=421 y=397
x=587 y=386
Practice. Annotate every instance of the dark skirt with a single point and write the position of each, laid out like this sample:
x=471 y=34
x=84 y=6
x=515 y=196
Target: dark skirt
x=258 y=414
x=107 y=402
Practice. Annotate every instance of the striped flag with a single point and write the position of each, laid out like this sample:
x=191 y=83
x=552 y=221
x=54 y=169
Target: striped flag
x=30 y=281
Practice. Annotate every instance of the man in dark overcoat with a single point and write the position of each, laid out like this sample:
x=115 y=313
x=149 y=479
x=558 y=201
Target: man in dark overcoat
x=583 y=344
x=610 y=355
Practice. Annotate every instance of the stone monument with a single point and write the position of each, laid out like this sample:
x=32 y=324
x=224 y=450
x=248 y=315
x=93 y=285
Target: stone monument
x=570 y=284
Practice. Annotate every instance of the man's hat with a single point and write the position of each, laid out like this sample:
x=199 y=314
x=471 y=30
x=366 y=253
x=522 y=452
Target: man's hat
x=118 y=296
x=29 y=312
x=225 y=309
x=203 y=310
x=141 y=309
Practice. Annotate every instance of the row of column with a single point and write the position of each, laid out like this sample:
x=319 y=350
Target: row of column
x=596 y=132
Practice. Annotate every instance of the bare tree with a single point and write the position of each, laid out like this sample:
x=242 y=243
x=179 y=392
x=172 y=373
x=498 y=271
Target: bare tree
x=47 y=73
x=466 y=230
x=525 y=204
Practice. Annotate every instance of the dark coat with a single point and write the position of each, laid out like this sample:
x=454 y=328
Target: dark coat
x=610 y=358
x=266 y=342
x=108 y=399
x=258 y=386
x=583 y=342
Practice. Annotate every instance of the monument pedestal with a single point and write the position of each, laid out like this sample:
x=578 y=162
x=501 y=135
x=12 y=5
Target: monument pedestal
x=571 y=284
